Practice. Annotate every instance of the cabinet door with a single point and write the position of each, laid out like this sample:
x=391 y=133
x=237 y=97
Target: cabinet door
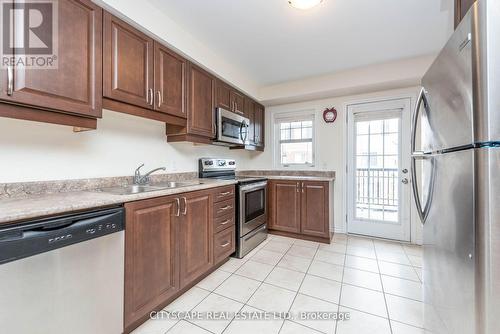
x=250 y=114
x=315 y=209
x=285 y=206
x=259 y=125
x=201 y=104
x=237 y=102
x=151 y=258
x=196 y=236
x=170 y=82
x=127 y=63
x=461 y=9
x=75 y=86
x=223 y=95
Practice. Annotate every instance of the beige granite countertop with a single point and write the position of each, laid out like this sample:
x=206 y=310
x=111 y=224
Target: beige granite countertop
x=308 y=175
x=35 y=206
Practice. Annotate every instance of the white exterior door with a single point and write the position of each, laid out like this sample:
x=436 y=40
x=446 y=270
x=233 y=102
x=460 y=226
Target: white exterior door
x=378 y=169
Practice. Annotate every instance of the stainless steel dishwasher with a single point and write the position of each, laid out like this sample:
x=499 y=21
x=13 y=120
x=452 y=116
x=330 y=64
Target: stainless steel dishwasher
x=63 y=275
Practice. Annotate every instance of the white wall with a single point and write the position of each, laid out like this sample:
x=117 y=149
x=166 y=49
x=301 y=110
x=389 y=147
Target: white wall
x=31 y=151
x=331 y=144
x=143 y=14
x=371 y=78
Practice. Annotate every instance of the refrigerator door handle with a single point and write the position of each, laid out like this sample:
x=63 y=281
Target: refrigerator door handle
x=422 y=97
x=423 y=211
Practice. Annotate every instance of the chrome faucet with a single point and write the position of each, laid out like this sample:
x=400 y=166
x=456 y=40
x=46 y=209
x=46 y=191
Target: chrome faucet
x=144 y=179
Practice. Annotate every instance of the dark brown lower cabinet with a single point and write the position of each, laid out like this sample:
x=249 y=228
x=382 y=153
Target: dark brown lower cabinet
x=300 y=209
x=284 y=206
x=195 y=236
x=169 y=247
x=151 y=259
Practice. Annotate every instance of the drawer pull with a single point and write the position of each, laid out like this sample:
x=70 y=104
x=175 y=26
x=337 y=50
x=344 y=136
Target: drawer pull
x=226 y=244
x=227 y=207
x=226 y=222
x=226 y=193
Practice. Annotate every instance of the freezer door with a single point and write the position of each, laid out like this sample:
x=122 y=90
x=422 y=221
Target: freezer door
x=486 y=61
x=446 y=108
x=449 y=246
x=487 y=202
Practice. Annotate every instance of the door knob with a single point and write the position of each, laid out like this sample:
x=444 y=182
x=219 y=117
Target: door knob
x=404 y=181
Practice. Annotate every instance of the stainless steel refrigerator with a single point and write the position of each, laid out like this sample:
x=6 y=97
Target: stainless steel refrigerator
x=456 y=177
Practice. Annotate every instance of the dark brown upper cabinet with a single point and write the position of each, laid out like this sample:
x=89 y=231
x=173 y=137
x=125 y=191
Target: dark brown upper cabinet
x=75 y=86
x=237 y=102
x=201 y=102
x=461 y=9
x=259 y=124
x=170 y=82
x=250 y=114
x=223 y=95
x=128 y=69
x=229 y=99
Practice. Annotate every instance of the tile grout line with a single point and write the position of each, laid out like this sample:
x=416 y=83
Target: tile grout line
x=340 y=292
x=297 y=293
x=213 y=292
x=261 y=283
x=383 y=293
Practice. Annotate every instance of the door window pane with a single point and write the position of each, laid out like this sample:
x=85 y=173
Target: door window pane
x=377 y=170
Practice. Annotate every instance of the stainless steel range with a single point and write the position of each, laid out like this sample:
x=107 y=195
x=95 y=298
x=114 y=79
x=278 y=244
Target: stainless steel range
x=251 y=199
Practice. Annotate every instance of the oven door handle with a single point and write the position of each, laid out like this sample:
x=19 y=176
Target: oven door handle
x=254 y=186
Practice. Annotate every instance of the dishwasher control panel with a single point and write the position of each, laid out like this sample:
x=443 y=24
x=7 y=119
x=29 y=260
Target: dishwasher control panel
x=41 y=236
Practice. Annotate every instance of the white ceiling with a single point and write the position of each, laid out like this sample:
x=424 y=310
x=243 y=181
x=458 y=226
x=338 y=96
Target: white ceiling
x=273 y=42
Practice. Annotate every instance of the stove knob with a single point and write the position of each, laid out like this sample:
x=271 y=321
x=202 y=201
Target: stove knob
x=231 y=163
x=222 y=163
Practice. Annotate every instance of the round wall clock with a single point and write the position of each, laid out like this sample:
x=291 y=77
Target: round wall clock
x=330 y=115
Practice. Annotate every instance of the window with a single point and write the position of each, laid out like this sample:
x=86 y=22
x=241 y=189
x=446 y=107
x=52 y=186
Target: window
x=294 y=141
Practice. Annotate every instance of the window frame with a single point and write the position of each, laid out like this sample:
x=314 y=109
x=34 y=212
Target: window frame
x=294 y=116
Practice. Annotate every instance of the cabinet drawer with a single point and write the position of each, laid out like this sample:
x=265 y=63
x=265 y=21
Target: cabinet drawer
x=224 y=208
x=224 y=222
x=223 y=193
x=224 y=244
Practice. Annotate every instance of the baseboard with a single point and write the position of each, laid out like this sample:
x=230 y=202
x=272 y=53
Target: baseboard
x=302 y=236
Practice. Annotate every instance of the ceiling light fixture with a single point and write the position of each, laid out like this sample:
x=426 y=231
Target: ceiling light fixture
x=304 y=4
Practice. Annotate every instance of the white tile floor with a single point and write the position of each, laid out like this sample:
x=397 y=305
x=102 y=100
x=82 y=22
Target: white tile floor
x=377 y=282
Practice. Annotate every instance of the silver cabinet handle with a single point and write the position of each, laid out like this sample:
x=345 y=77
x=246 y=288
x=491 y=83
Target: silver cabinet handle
x=10 y=80
x=184 y=212
x=226 y=244
x=158 y=95
x=225 y=193
x=150 y=97
x=297 y=187
x=226 y=222
x=302 y=187
x=178 y=202
x=227 y=207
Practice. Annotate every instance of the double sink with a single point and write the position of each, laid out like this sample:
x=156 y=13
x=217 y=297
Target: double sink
x=138 y=188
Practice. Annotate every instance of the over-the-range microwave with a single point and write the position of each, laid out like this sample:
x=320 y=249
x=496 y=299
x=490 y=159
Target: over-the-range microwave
x=232 y=129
